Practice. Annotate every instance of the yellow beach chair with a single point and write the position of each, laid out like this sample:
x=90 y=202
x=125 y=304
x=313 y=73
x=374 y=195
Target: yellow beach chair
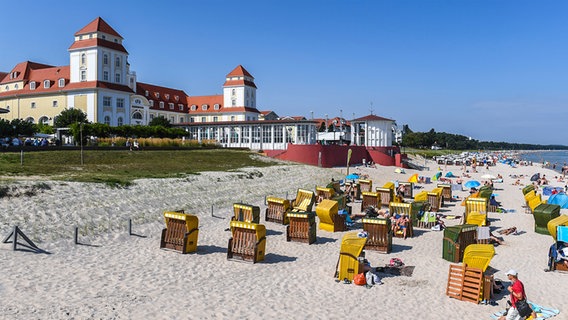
x=329 y=217
x=350 y=256
x=248 y=242
x=180 y=233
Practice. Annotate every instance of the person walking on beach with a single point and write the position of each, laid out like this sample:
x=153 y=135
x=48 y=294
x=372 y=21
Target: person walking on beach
x=517 y=290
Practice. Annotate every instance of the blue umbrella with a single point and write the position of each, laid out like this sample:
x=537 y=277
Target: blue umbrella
x=472 y=184
x=352 y=176
x=560 y=199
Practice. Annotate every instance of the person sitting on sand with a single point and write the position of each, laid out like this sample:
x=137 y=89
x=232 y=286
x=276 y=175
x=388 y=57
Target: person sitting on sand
x=401 y=223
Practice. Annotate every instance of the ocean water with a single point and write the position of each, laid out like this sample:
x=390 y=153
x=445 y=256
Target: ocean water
x=553 y=157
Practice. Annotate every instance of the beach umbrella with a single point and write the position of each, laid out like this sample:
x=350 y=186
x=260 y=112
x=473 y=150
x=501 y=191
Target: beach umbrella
x=472 y=184
x=488 y=176
x=413 y=178
x=560 y=199
x=436 y=176
x=535 y=177
x=2 y=110
x=352 y=176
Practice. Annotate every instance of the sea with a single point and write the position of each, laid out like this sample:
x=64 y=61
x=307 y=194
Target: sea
x=556 y=159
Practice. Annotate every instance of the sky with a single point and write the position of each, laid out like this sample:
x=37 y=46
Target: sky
x=492 y=70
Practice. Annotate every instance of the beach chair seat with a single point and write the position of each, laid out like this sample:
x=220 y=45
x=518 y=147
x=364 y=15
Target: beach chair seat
x=246 y=213
x=527 y=189
x=446 y=191
x=323 y=193
x=379 y=234
x=542 y=214
x=304 y=201
x=248 y=242
x=456 y=239
x=365 y=185
x=477 y=219
x=351 y=256
x=421 y=196
x=180 y=233
x=404 y=209
x=370 y=199
x=553 y=224
x=479 y=256
x=535 y=202
x=277 y=210
x=302 y=227
x=329 y=217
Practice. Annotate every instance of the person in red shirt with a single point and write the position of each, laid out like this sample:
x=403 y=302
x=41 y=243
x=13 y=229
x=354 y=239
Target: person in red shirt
x=517 y=290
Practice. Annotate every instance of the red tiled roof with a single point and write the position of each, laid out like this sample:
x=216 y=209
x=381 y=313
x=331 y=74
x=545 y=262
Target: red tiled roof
x=265 y=112
x=239 y=71
x=230 y=83
x=23 y=69
x=97 y=42
x=166 y=95
x=98 y=84
x=98 y=25
x=372 y=117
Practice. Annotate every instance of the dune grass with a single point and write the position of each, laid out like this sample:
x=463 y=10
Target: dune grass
x=121 y=167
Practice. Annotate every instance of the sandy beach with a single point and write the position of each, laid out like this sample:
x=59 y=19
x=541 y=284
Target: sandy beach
x=116 y=276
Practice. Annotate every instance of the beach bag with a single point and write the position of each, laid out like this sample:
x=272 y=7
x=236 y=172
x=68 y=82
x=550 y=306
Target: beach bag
x=396 y=262
x=523 y=308
x=360 y=279
x=372 y=278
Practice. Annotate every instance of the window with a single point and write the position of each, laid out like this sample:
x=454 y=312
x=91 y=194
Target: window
x=146 y=93
x=54 y=103
x=117 y=78
x=30 y=119
x=105 y=58
x=180 y=107
x=176 y=98
x=44 y=120
x=107 y=120
x=192 y=119
x=151 y=103
x=107 y=101
x=193 y=107
x=216 y=106
x=215 y=119
x=247 y=102
x=233 y=92
x=171 y=105
x=137 y=116
x=120 y=121
x=232 y=118
x=138 y=101
x=157 y=95
x=115 y=40
x=233 y=102
x=203 y=119
x=32 y=85
x=6 y=88
x=46 y=84
x=161 y=104
x=61 y=83
x=16 y=86
x=167 y=96
x=151 y=116
x=103 y=36
x=117 y=62
x=120 y=103
x=33 y=105
x=83 y=75
x=204 y=107
x=105 y=75
x=83 y=59
x=172 y=120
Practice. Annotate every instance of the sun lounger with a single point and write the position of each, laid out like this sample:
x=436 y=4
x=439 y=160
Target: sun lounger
x=180 y=233
x=277 y=210
x=246 y=213
x=379 y=234
x=302 y=227
x=248 y=242
x=350 y=256
x=330 y=219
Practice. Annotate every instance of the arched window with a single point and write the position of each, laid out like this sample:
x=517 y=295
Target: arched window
x=46 y=83
x=32 y=85
x=120 y=121
x=204 y=107
x=107 y=120
x=30 y=119
x=137 y=116
x=193 y=107
x=216 y=106
x=44 y=120
x=83 y=59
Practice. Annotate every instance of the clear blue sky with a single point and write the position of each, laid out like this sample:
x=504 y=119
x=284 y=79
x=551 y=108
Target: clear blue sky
x=491 y=70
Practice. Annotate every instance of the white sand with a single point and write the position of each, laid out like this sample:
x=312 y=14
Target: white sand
x=129 y=277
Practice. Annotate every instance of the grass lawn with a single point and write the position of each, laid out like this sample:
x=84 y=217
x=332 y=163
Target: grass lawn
x=121 y=167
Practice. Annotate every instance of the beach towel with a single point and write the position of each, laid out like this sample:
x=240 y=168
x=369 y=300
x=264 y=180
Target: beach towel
x=541 y=312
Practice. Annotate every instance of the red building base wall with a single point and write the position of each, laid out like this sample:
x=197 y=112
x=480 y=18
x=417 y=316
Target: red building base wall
x=336 y=155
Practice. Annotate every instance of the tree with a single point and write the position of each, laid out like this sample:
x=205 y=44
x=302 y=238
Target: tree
x=160 y=121
x=68 y=117
x=322 y=127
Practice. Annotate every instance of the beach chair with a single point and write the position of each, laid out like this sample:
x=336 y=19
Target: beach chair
x=421 y=196
x=370 y=199
x=446 y=191
x=435 y=199
x=555 y=262
x=330 y=194
x=527 y=189
x=483 y=235
x=403 y=209
x=553 y=224
x=246 y=213
x=542 y=214
x=464 y=283
x=534 y=202
x=351 y=256
x=456 y=239
x=302 y=227
x=387 y=193
x=379 y=234
x=479 y=256
x=330 y=219
x=365 y=185
x=409 y=190
x=180 y=233
x=355 y=190
x=304 y=201
x=277 y=210
x=476 y=211
x=248 y=242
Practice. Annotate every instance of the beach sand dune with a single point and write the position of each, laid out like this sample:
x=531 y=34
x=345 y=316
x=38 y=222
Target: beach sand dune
x=116 y=276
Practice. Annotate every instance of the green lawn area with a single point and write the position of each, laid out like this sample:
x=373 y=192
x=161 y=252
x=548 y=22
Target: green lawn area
x=121 y=167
